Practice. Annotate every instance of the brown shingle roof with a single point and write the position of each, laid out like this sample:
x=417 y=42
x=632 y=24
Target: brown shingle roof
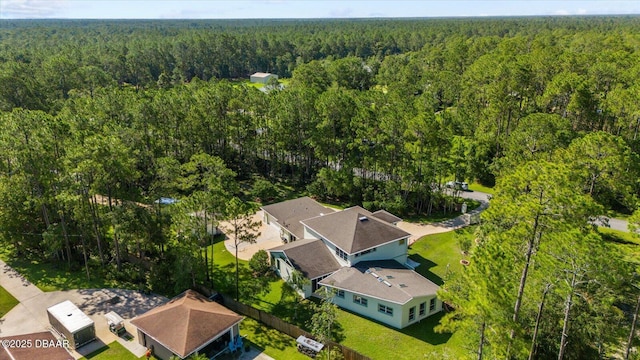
x=384 y=215
x=354 y=229
x=187 y=322
x=289 y=213
x=405 y=284
x=36 y=350
x=310 y=256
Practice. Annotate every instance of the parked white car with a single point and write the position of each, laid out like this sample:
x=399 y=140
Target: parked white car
x=460 y=185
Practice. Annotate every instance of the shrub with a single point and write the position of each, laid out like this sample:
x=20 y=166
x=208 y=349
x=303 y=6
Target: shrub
x=259 y=263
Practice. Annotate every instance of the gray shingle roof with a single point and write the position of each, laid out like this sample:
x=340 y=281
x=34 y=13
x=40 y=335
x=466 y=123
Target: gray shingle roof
x=386 y=216
x=310 y=256
x=289 y=213
x=393 y=283
x=355 y=229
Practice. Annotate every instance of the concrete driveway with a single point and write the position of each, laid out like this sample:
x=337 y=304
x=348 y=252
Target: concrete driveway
x=268 y=238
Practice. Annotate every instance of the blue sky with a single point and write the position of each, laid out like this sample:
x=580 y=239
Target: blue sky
x=218 y=9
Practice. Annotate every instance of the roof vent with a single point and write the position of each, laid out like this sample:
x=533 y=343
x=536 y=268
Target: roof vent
x=375 y=275
x=389 y=277
x=403 y=285
x=363 y=218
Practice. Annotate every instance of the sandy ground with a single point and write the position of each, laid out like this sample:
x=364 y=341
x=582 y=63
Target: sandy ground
x=268 y=238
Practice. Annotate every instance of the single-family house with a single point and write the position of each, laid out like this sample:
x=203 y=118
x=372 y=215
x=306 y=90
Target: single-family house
x=187 y=324
x=262 y=78
x=342 y=250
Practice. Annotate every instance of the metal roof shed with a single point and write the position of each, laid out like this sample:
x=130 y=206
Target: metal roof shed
x=72 y=323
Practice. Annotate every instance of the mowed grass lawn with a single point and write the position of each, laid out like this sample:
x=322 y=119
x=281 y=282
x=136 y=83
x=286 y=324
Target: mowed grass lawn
x=439 y=254
x=113 y=351
x=7 y=302
x=53 y=277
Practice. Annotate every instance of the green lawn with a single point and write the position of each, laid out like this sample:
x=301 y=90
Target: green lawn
x=479 y=187
x=113 y=351
x=7 y=301
x=272 y=342
x=417 y=341
x=52 y=277
x=439 y=253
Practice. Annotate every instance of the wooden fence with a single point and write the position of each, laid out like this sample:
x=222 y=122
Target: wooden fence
x=284 y=327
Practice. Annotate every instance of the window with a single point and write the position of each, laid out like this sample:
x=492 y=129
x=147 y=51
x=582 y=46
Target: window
x=341 y=254
x=385 y=309
x=423 y=308
x=278 y=263
x=432 y=305
x=412 y=313
x=359 y=300
x=401 y=242
x=340 y=294
x=365 y=252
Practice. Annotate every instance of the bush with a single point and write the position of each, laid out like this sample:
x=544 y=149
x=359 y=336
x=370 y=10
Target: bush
x=264 y=190
x=259 y=263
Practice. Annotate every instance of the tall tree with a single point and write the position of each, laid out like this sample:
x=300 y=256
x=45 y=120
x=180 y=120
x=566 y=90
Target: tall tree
x=243 y=228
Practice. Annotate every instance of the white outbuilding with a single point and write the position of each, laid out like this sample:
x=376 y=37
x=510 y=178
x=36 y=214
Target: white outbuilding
x=262 y=78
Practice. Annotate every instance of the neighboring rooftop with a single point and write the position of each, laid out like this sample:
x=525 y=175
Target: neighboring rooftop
x=386 y=279
x=355 y=229
x=187 y=322
x=384 y=215
x=289 y=213
x=36 y=350
x=310 y=256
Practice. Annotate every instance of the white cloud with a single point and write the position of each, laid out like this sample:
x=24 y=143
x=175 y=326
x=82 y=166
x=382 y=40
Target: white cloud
x=12 y=9
x=561 y=12
x=341 y=13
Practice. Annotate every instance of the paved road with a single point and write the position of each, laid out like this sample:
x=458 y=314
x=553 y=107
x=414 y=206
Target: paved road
x=613 y=223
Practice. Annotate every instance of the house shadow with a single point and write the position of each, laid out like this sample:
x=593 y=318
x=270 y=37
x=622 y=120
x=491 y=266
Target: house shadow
x=422 y=330
x=425 y=269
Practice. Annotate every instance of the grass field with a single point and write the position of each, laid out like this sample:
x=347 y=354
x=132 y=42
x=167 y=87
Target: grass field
x=113 y=351
x=7 y=302
x=478 y=187
x=272 y=342
x=53 y=277
x=439 y=254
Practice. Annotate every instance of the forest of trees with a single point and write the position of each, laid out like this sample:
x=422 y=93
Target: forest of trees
x=98 y=115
